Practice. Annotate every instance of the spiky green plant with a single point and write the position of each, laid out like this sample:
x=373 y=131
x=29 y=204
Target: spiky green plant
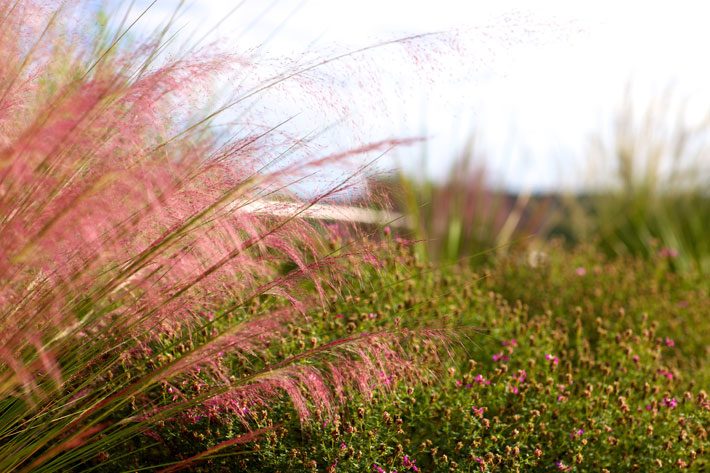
x=653 y=198
x=466 y=215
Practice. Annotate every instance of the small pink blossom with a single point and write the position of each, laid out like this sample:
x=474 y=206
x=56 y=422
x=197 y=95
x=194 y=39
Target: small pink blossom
x=479 y=379
x=510 y=343
x=478 y=411
x=500 y=357
x=409 y=463
x=670 y=402
x=669 y=342
x=521 y=376
x=665 y=373
x=581 y=271
x=552 y=359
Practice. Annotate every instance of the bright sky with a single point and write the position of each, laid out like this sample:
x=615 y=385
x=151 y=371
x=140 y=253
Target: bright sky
x=533 y=79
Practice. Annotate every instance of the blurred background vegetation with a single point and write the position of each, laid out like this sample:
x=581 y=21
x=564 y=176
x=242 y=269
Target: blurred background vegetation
x=647 y=195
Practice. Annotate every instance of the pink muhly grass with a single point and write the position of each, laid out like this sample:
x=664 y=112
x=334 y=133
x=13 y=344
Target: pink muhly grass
x=121 y=226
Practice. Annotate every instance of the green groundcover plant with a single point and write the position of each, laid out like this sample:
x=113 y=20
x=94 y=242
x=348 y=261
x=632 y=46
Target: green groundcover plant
x=577 y=363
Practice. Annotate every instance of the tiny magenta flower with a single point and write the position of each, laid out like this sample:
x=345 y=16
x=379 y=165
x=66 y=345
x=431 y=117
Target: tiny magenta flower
x=479 y=379
x=552 y=359
x=500 y=357
x=670 y=402
x=665 y=373
x=409 y=463
x=478 y=411
x=669 y=342
x=521 y=376
x=581 y=271
x=510 y=343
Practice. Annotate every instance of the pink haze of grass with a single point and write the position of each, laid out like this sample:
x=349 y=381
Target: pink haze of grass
x=118 y=224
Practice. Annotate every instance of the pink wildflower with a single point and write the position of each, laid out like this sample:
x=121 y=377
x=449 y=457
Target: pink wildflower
x=521 y=376
x=552 y=359
x=665 y=373
x=479 y=379
x=581 y=271
x=669 y=342
x=500 y=357
x=670 y=402
x=478 y=411
x=409 y=463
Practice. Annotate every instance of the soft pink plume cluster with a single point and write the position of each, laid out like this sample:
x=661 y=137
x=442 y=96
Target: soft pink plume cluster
x=120 y=223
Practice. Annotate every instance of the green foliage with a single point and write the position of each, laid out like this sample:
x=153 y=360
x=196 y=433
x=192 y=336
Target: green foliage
x=652 y=195
x=465 y=215
x=577 y=364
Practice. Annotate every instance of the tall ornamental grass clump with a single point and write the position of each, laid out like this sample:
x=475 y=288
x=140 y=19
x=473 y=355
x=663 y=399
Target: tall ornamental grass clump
x=466 y=216
x=656 y=204
x=135 y=288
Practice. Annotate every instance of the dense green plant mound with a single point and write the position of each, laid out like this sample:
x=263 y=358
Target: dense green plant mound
x=576 y=364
